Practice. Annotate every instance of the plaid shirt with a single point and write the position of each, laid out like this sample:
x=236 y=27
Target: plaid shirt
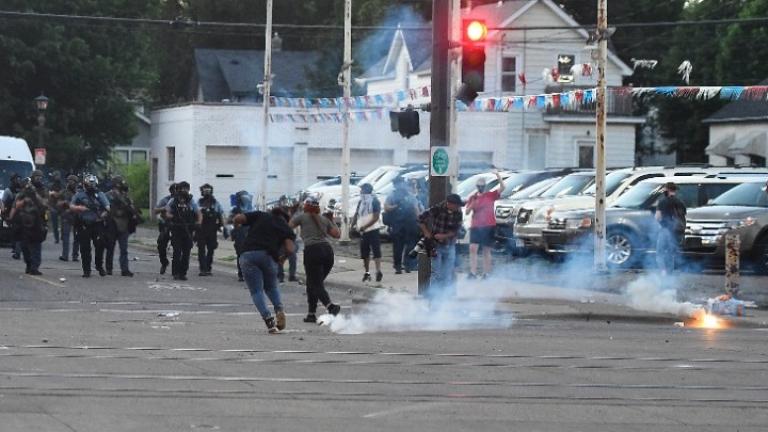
x=440 y=220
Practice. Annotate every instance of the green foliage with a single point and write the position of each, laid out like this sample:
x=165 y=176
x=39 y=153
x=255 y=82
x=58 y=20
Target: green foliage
x=90 y=72
x=137 y=177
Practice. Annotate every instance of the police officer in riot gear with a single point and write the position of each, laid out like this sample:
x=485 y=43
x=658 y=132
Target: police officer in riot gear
x=9 y=199
x=242 y=202
x=28 y=216
x=164 y=236
x=184 y=218
x=92 y=208
x=68 y=218
x=212 y=221
x=120 y=224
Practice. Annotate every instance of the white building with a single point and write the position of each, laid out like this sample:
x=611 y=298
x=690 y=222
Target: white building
x=738 y=134
x=533 y=139
x=218 y=143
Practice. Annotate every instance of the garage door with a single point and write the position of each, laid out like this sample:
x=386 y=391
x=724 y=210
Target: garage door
x=324 y=163
x=231 y=169
x=418 y=156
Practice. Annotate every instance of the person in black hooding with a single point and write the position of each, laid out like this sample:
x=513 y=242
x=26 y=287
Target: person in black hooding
x=91 y=208
x=670 y=214
x=268 y=237
x=212 y=221
x=184 y=218
x=242 y=202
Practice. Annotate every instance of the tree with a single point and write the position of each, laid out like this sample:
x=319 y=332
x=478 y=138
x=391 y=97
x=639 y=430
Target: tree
x=92 y=73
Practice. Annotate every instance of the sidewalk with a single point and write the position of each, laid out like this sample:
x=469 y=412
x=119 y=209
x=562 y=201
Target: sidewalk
x=541 y=296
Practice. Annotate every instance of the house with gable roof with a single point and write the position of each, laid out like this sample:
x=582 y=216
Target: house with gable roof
x=516 y=62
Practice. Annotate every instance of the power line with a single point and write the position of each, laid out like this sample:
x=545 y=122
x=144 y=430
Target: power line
x=183 y=23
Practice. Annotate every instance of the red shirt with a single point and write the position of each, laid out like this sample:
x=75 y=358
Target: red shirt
x=482 y=209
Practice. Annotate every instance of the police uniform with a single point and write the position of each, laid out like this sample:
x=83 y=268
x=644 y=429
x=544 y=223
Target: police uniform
x=68 y=220
x=207 y=242
x=31 y=229
x=90 y=227
x=121 y=216
x=183 y=212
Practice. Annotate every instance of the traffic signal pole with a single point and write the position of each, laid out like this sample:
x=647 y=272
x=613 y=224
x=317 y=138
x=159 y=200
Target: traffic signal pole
x=439 y=119
x=602 y=37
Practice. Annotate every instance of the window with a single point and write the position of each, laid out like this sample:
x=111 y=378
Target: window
x=712 y=191
x=689 y=195
x=171 y=163
x=138 y=156
x=586 y=156
x=508 y=74
x=121 y=156
x=564 y=64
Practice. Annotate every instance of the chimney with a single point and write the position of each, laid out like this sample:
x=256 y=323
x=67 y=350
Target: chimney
x=277 y=43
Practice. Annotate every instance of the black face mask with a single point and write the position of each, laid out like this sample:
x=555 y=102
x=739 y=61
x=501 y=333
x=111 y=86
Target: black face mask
x=37 y=181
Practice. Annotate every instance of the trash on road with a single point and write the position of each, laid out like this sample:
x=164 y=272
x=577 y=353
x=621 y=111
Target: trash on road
x=172 y=314
x=679 y=324
x=725 y=305
x=62 y=279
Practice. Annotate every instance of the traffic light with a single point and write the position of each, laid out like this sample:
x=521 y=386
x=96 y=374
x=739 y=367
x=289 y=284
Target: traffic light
x=406 y=122
x=474 y=33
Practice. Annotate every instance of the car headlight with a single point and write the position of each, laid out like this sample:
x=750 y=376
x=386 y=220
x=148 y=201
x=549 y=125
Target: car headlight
x=749 y=221
x=574 y=224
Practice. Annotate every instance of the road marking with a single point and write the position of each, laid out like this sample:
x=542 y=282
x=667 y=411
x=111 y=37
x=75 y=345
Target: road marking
x=44 y=280
x=408 y=408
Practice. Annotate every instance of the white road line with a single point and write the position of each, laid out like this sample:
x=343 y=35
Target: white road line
x=408 y=408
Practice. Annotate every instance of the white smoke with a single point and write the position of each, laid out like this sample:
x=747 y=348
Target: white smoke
x=403 y=312
x=653 y=293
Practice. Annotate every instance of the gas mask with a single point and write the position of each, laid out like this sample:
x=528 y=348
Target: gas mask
x=206 y=192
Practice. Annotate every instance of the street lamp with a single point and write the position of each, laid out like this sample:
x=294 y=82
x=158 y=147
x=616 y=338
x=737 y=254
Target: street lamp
x=42 y=104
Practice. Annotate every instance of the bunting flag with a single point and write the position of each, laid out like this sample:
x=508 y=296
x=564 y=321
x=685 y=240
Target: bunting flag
x=385 y=100
x=573 y=99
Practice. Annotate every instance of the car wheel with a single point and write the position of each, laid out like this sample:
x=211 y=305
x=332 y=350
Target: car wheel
x=761 y=256
x=621 y=249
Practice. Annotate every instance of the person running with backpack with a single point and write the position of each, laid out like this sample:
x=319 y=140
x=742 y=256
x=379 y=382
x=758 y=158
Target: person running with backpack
x=670 y=213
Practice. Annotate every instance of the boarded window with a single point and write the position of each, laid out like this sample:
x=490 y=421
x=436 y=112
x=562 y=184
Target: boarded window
x=171 y=163
x=586 y=156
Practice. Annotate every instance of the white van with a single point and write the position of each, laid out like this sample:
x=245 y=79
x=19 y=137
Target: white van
x=15 y=157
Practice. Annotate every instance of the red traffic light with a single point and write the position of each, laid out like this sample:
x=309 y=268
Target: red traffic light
x=475 y=30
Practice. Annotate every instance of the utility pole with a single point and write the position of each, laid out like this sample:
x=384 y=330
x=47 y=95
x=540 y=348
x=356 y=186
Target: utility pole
x=602 y=38
x=439 y=120
x=453 y=75
x=346 y=76
x=266 y=92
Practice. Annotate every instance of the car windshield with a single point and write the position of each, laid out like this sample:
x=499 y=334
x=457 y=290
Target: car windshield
x=327 y=182
x=9 y=167
x=744 y=195
x=384 y=180
x=535 y=189
x=468 y=186
x=569 y=185
x=375 y=175
x=637 y=196
x=516 y=182
x=612 y=182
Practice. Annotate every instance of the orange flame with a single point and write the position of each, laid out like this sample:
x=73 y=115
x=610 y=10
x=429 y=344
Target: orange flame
x=702 y=319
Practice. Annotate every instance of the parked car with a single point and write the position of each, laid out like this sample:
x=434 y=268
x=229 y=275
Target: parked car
x=631 y=227
x=742 y=210
x=333 y=181
x=533 y=217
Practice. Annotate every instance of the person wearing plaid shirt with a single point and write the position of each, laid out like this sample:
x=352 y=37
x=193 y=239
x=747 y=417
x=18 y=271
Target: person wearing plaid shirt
x=441 y=224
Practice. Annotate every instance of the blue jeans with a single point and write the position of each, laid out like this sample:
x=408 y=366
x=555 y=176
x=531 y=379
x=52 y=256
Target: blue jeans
x=667 y=245
x=66 y=229
x=441 y=281
x=122 y=242
x=291 y=267
x=260 y=274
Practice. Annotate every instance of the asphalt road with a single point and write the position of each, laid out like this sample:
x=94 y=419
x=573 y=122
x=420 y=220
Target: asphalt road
x=110 y=354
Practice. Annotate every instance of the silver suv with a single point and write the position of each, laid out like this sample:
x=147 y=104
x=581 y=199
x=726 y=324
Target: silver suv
x=743 y=210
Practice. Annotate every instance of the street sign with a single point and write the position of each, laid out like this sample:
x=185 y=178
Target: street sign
x=440 y=162
x=40 y=156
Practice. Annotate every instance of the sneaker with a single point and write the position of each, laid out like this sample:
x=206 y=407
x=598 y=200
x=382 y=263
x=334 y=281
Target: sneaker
x=379 y=276
x=310 y=318
x=63 y=258
x=485 y=276
x=271 y=327
x=126 y=273
x=280 y=320
x=182 y=277
x=398 y=270
x=86 y=274
x=101 y=272
x=202 y=273
x=163 y=268
x=27 y=270
x=471 y=276
x=281 y=279
x=408 y=271
x=366 y=277
x=334 y=309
